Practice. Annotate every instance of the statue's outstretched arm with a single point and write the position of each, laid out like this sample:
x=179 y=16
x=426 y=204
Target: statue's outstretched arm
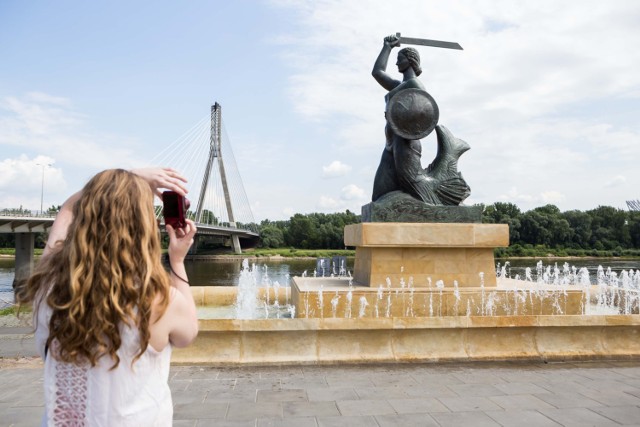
x=379 y=68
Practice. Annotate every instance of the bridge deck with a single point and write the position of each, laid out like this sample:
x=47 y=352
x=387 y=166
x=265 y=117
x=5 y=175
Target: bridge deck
x=39 y=224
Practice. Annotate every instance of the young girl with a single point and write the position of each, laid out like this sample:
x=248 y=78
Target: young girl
x=106 y=311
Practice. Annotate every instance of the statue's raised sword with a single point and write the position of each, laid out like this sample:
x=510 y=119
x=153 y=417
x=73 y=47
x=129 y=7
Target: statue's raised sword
x=427 y=42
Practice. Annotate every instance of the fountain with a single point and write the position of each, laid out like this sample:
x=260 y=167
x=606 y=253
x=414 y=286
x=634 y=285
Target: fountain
x=425 y=286
x=553 y=314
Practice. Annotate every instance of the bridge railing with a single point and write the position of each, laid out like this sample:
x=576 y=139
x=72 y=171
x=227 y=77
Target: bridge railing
x=25 y=214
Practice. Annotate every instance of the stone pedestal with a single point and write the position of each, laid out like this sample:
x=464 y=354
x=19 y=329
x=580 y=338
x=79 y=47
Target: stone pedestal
x=25 y=243
x=426 y=252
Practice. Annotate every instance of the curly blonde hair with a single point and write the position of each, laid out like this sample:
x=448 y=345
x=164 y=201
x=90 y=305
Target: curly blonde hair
x=106 y=273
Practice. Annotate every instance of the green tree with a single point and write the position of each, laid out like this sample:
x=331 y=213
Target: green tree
x=504 y=213
x=609 y=227
x=545 y=226
x=580 y=224
x=54 y=209
x=634 y=228
x=301 y=232
x=207 y=217
x=271 y=237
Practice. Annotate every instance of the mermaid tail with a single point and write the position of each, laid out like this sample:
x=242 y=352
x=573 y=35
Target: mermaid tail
x=451 y=188
x=438 y=184
x=450 y=148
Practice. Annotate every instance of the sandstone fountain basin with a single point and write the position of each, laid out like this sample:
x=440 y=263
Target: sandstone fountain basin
x=454 y=315
x=409 y=339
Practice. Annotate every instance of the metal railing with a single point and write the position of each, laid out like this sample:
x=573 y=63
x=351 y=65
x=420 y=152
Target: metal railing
x=26 y=214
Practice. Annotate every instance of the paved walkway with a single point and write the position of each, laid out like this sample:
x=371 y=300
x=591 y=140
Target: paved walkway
x=403 y=395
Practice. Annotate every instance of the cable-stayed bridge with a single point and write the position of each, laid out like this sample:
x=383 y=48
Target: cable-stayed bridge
x=219 y=204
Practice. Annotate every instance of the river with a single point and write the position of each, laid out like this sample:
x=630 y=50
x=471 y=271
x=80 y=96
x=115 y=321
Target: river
x=226 y=272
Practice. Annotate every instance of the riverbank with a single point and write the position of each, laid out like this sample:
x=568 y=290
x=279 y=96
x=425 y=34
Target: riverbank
x=302 y=254
x=265 y=254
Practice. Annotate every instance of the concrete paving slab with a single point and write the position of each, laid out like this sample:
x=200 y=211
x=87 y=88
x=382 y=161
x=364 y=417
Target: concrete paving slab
x=375 y=393
x=291 y=395
x=577 y=417
x=331 y=394
x=457 y=419
x=205 y=385
x=17 y=345
x=436 y=390
x=194 y=411
x=282 y=373
x=294 y=382
x=365 y=407
x=306 y=409
x=389 y=380
x=568 y=400
x=469 y=403
x=347 y=421
x=181 y=396
x=347 y=380
x=476 y=390
x=242 y=411
x=287 y=422
x=226 y=423
x=431 y=379
x=627 y=415
x=258 y=383
x=612 y=397
x=489 y=376
x=557 y=387
x=512 y=388
x=522 y=418
x=417 y=406
x=228 y=396
x=194 y=372
x=406 y=420
x=520 y=401
x=184 y=423
x=634 y=382
x=18 y=417
x=524 y=394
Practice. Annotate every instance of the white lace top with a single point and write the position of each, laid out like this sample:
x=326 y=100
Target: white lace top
x=136 y=396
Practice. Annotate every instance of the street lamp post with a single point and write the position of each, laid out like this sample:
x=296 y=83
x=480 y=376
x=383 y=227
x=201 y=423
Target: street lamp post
x=44 y=165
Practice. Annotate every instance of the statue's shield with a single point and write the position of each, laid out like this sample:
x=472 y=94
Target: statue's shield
x=412 y=113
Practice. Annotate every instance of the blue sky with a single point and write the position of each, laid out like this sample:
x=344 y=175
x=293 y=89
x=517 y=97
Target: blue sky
x=546 y=93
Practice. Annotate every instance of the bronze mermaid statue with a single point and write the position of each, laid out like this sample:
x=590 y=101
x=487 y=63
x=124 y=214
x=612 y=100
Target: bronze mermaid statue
x=412 y=114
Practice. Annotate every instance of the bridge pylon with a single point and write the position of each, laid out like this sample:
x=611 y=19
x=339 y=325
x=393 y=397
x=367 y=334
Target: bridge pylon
x=216 y=152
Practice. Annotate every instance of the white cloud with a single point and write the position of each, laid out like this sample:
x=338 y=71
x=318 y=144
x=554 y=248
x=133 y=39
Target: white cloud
x=353 y=192
x=351 y=197
x=288 y=212
x=538 y=91
x=514 y=196
x=335 y=169
x=28 y=182
x=551 y=197
x=532 y=200
x=615 y=181
x=47 y=125
x=328 y=203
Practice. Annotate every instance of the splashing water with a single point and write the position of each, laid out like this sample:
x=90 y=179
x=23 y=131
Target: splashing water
x=334 y=305
x=363 y=306
x=247 y=298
